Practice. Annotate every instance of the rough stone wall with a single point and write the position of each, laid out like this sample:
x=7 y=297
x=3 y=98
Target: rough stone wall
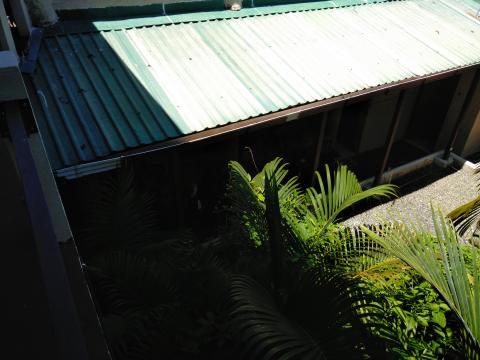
x=41 y=12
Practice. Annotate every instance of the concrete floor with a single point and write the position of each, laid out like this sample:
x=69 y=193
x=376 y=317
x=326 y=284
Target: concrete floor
x=445 y=189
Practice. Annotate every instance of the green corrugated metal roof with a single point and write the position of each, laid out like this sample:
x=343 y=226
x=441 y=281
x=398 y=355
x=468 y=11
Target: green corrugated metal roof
x=106 y=91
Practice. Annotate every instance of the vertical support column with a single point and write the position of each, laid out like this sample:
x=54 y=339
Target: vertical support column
x=22 y=18
x=68 y=333
x=6 y=39
x=390 y=137
x=318 y=149
x=456 y=128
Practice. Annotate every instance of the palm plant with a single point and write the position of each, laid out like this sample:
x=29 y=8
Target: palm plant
x=441 y=261
x=269 y=210
x=306 y=216
x=166 y=295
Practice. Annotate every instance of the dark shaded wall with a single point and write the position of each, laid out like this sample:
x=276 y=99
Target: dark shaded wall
x=28 y=332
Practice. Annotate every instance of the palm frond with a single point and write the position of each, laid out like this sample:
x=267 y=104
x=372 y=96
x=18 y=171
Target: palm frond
x=144 y=281
x=136 y=304
x=466 y=216
x=323 y=317
x=247 y=206
x=120 y=215
x=441 y=262
x=337 y=193
x=261 y=329
x=360 y=256
x=274 y=227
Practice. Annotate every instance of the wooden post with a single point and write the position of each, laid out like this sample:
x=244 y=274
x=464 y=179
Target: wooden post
x=390 y=137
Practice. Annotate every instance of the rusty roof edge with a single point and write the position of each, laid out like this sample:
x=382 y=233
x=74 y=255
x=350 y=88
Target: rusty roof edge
x=294 y=113
x=460 y=11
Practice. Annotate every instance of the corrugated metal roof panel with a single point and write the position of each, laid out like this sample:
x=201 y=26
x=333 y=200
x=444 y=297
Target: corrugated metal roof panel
x=108 y=91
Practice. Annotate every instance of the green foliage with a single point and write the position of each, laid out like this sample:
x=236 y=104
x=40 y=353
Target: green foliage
x=319 y=317
x=338 y=194
x=360 y=256
x=415 y=316
x=261 y=327
x=160 y=294
x=307 y=217
x=283 y=280
x=298 y=232
x=120 y=216
x=442 y=264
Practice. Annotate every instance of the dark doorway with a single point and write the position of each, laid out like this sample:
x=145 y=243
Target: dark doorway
x=351 y=125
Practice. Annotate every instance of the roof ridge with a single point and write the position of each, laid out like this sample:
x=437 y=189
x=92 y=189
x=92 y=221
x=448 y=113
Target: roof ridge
x=85 y=26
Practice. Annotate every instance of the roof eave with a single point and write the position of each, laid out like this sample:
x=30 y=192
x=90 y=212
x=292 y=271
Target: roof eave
x=278 y=117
